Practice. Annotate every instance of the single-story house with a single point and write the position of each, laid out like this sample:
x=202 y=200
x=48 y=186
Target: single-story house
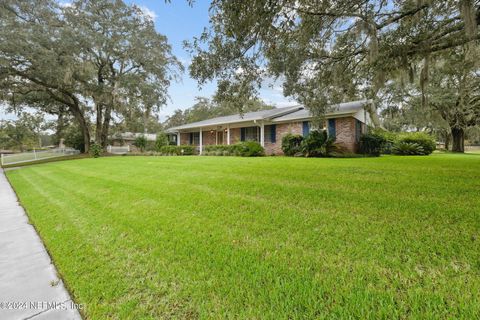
x=345 y=121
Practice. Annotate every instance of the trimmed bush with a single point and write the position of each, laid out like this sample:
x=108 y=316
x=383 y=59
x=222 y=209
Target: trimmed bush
x=162 y=140
x=249 y=149
x=141 y=143
x=372 y=144
x=244 y=149
x=220 y=150
x=183 y=150
x=95 y=150
x=426 y=141
x=291 y=144
x=408 y=149
x=318 y=144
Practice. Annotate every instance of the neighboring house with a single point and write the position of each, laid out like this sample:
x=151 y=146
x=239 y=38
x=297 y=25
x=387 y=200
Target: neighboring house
x=346 y=122
x=128 y=139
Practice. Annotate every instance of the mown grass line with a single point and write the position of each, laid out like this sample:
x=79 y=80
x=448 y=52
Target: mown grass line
x=213 y=237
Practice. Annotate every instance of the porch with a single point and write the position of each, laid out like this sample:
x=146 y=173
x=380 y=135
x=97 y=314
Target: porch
x=227 y=134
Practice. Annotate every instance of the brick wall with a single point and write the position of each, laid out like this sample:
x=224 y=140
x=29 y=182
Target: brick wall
x=282 y=130
x=208 y=137
x=345 y=131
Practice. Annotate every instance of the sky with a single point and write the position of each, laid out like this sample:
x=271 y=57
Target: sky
x=178 y=21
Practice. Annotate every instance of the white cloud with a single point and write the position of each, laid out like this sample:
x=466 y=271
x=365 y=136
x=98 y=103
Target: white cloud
x=149 y=13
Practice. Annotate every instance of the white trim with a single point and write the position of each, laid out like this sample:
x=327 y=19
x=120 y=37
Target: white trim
x=262 y=135
x=228 y=134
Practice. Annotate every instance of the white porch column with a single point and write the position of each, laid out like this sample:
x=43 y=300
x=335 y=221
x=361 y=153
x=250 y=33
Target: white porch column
x=262 y=135
x=201 y=141
x=178 y=138
x=228 y=134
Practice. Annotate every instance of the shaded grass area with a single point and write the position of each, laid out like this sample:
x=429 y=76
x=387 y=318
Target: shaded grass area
x=270 y=238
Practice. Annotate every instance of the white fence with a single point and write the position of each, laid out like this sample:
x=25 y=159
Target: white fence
x=118 y=149
x=36 y=155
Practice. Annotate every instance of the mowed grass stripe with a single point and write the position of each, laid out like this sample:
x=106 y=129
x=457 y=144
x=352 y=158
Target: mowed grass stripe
x=206 y=237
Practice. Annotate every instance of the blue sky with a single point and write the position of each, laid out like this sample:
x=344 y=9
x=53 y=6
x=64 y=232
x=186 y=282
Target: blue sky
x=180 y=22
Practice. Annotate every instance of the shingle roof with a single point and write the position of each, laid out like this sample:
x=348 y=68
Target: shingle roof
x=277 y=114
x=338 y=109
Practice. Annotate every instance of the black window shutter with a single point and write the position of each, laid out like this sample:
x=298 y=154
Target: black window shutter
x=273 y=133
x=242 y=134
x=331 y=128
x=306 y=128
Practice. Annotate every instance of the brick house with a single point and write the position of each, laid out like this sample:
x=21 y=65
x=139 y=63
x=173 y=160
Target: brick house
x=345 y=121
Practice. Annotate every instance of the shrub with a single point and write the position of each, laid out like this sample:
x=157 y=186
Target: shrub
x=151 y=146
x=162 y=140
x=372 y=144
x=408 y=148
x=95 y=150
x=220 y=150
x=249 y=149
x=183 y=150
x=317 y=144
x=426 y=141
x=244 y=149
x=291 y=144
x=140 y=143
x=389 y=137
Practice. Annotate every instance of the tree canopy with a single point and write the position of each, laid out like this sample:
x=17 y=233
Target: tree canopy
x=326 y=51
x=99 y=59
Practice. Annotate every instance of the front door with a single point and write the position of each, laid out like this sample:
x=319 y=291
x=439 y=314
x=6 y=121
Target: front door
x=220 y=137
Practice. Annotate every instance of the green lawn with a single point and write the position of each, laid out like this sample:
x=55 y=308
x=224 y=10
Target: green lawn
x=270 y=238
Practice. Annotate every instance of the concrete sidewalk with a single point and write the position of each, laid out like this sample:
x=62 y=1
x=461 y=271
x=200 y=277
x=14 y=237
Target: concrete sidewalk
x=29 y=285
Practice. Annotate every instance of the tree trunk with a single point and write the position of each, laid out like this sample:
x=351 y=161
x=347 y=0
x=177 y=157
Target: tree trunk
x=448 y=137
x=458 y=138
x=83 y=126
x=98 y=127
x=105 y=127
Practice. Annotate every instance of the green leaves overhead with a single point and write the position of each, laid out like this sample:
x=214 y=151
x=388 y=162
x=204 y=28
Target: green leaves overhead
x=325 y=51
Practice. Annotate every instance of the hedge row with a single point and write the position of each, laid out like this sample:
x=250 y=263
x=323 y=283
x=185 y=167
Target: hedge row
x=242 y=149
x=182 y=150
x=408 y=143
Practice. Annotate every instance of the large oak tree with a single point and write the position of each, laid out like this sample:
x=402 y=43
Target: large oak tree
x=100 y=59
x=326 y=51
